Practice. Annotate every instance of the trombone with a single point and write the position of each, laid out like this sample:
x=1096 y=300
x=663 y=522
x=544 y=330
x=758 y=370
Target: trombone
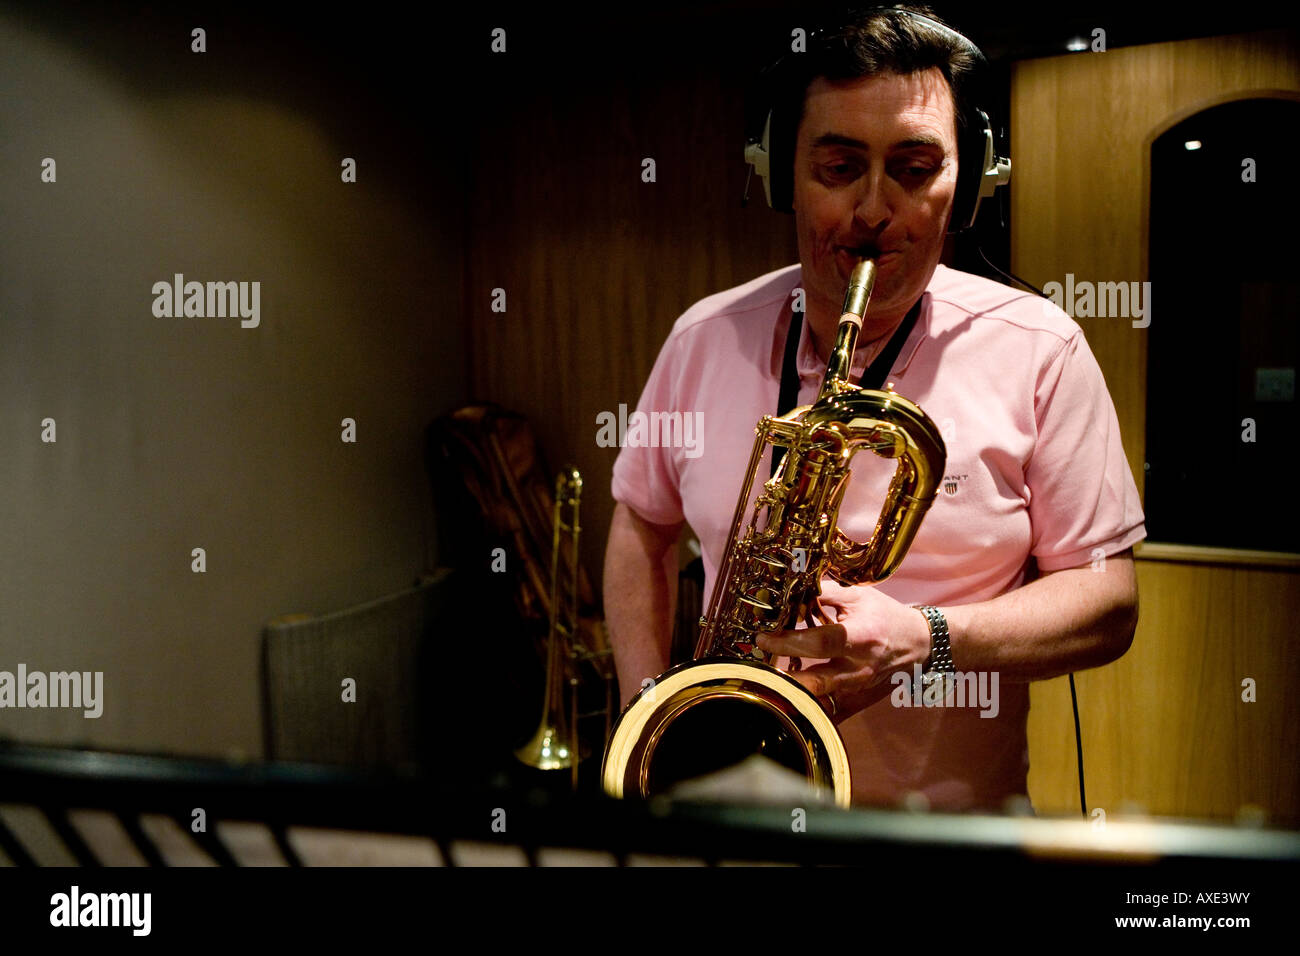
x=555 y=745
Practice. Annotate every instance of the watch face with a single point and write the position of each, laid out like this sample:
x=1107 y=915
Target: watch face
x=938 y=688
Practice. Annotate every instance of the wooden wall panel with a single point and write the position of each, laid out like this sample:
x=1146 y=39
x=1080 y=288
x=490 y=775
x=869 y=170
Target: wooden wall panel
x=1163 y=727
x=1081 y=131
x=598 y=264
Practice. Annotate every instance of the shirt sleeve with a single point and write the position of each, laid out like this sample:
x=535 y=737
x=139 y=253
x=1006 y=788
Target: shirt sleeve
x=1083 y=502
x=648 y=479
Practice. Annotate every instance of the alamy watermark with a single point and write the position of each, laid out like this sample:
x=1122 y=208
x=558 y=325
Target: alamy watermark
x=961 y=689
x=651 y=430
x=75 y=908
x=76 y=689
x=198 y=300
x=1101 y=300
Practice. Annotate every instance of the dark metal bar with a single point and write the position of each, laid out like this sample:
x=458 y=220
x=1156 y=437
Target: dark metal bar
x=131 y=823
x=208 y=842
x=13 y=848
x=58 y=817
x=279 y=831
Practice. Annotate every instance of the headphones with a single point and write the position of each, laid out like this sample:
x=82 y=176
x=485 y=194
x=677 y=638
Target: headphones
x=770 y=152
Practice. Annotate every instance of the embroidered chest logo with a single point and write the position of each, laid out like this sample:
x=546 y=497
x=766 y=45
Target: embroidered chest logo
x=952 y=484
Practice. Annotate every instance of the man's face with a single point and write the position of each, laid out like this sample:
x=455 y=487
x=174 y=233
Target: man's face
x=875 y=170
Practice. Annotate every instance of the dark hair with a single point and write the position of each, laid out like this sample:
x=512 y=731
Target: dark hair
x=862 y=43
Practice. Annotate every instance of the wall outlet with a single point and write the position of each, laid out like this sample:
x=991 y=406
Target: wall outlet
x=1274 y=384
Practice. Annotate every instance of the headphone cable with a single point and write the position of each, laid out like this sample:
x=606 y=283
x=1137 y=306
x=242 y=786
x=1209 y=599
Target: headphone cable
x=1011 y=276
x=1078 y=748
x=1074 y=697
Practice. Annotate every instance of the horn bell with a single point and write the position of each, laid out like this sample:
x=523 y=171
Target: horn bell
x=716 y=712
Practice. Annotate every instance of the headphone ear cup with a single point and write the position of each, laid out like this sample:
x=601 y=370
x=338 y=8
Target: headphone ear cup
x=758 y=155
x=776 y=85
x=971 y=154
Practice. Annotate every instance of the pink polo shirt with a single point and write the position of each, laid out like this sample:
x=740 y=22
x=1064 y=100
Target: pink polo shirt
x=1035 y=469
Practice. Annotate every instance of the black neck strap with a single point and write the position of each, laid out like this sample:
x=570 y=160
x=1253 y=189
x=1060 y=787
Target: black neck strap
x=873 y=377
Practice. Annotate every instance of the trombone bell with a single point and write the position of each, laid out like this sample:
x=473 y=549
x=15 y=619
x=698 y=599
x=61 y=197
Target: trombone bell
x=548 y=750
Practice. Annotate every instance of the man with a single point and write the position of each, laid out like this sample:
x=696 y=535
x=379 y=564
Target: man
x=1036 y=481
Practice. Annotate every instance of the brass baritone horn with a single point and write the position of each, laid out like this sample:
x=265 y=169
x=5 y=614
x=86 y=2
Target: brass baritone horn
x=728 y=703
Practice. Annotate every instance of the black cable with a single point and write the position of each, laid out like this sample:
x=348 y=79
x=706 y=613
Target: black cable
x=1074 y=697
x=1013 y=278
x=1078 y=748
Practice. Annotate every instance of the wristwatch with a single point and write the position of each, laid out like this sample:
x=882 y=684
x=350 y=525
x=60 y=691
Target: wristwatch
x=939 y=662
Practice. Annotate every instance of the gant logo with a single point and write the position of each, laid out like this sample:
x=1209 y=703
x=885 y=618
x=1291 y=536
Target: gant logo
x=952 y=484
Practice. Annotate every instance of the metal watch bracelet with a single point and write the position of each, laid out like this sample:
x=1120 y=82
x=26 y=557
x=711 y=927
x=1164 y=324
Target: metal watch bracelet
x=940 y=659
